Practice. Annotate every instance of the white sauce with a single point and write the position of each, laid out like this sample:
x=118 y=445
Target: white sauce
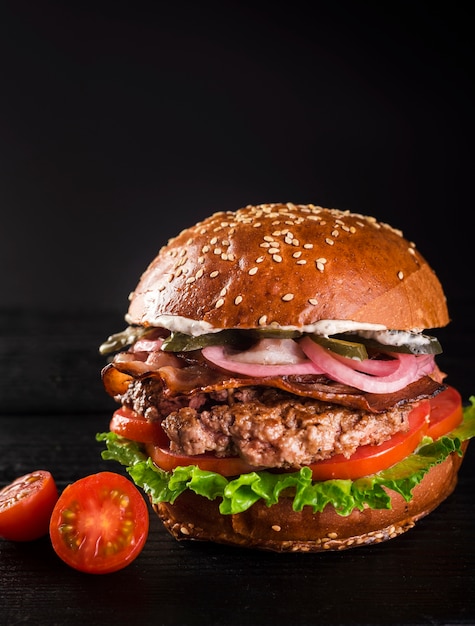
x=326 y=328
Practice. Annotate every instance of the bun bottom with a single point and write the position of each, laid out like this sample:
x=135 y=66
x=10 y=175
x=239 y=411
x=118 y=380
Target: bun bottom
x=281 y=529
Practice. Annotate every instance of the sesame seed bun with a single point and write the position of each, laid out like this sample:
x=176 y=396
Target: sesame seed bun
x=289 y=265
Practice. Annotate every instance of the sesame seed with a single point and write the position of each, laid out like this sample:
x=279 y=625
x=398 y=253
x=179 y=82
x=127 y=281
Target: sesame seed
x=277 y=258
x=308 y=246
x=297 y=254
x=238 y=300
x=295 y=242
x=313 y=301
x=288 y=297
x=253 y=271
x=400 y=275
x=262 y=320
x=329 y=241
x=217 y=251
x=223 y=292
x=273 y=250
x=214 y=241
x=200 y=273
x=219 y=303
x=259 y=259
x=277 y=528
x=268 y=238
x=190 y=280
x=257 y=225
x=205 y=249
x=301 y=262
x=335 y=233
x=214 y=274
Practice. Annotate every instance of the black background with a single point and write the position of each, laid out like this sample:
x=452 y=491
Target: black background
x=122 y=123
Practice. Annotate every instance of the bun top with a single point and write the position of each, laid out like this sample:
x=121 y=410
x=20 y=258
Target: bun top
x=288 y=265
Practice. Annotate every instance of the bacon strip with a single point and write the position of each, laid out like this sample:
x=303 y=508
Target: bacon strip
x=197 y=377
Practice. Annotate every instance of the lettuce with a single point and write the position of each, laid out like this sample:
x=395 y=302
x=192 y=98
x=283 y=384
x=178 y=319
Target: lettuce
x=240 y=493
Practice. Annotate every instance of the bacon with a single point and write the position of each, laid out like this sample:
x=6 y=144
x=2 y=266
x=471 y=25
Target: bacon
x=195 y=376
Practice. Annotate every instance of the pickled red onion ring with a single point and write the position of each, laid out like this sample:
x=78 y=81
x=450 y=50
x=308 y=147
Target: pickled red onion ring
x=408 y=369
x=223 y=358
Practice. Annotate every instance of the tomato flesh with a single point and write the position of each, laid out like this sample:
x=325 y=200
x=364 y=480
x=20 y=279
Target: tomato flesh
x=26 y=505
x=226 y=466
x=100 y=523
x=129 y=424
x=445 y=413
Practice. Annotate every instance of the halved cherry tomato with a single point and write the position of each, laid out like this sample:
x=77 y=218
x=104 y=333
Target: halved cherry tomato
x=445 y=412
x=132 y=425
x=26 y=505
x=100 y=523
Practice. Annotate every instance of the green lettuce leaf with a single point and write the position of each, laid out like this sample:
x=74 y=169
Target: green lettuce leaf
x=240 y=493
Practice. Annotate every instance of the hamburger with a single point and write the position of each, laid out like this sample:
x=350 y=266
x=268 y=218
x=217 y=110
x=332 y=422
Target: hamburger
x=277 y=385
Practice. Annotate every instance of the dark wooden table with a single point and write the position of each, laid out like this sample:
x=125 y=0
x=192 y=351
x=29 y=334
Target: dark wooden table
x=52 y=404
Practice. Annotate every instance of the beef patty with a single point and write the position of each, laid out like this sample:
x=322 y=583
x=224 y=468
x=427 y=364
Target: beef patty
x=266 y=427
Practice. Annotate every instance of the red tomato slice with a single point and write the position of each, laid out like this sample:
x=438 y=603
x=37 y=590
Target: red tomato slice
x=227 y=466
x=129 y=424
x=445 y=413
x=100 y=523
x=26 y=505
x=371 y=459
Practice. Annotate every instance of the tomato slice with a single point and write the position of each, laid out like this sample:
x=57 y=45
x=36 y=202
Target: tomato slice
x=26 y=505
x=371 y=459
x=226 y=466
x=445 y=412
x=100 y=523
x=132 y=425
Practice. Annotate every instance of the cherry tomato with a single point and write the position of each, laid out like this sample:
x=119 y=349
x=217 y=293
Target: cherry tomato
x=26 y=505
x=100 y=523
x=132 y=425
x=445 y=412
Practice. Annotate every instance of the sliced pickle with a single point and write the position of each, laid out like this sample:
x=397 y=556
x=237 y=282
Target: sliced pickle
x=349 y=349
x=242 y=338
x=126 y=337
x=273 y=333
x=428 y=345
x=181 y=342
